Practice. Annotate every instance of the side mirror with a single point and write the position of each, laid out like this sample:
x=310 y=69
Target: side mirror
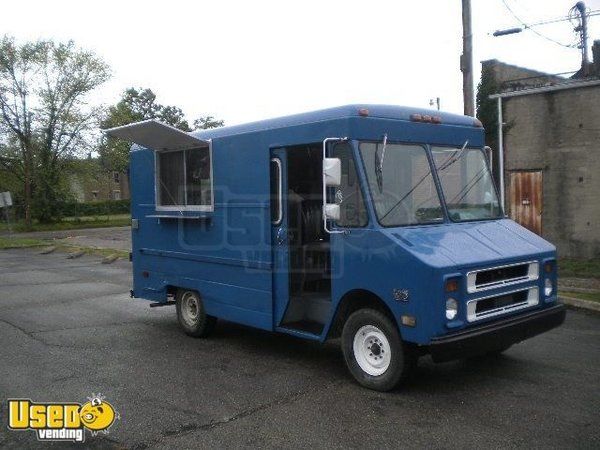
x=332 y=171
x=332 y=211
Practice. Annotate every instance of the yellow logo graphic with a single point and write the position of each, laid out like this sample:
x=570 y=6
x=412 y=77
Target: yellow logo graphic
x=62 y=421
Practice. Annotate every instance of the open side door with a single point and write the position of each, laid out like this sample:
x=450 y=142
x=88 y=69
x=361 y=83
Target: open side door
x=156 y=136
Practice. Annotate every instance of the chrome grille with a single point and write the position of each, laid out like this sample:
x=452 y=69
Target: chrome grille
x=493 y=305
x=501 y=276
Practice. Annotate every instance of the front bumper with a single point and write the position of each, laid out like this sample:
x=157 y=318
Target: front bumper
x=496 y=335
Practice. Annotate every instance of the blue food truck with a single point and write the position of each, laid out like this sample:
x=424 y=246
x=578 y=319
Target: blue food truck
x=379 y=225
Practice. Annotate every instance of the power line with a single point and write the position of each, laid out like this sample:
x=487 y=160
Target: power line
x=528 y=27
x=514 y=30
x=561 y=19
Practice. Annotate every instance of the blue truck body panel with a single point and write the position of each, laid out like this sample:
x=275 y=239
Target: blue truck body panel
x=227 y=254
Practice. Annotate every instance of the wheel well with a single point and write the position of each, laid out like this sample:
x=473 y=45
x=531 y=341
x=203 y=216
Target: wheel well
x=171 y=290
x=353 y=301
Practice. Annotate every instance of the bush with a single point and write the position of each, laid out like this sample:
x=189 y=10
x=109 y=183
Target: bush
x=101 y=208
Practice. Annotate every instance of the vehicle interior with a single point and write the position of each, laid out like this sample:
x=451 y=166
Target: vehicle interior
x=310 y=265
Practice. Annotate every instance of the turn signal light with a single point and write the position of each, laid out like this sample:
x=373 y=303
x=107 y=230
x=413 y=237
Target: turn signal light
x=452 y=285
x=409 y=321
x=548 y=267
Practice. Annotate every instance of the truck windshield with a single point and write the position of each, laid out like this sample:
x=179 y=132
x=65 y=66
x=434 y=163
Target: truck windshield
x=402 y=185
x=466 y=184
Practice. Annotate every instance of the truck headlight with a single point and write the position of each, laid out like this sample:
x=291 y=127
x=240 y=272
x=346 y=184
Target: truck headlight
x=548 y=287
x=451 y=308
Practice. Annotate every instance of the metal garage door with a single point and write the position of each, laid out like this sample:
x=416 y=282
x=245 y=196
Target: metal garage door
x=526 y=199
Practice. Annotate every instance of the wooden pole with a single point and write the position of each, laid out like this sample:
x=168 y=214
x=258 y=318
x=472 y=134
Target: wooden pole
x=466 y=60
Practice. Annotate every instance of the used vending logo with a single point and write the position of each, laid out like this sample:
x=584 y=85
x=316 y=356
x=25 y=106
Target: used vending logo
x=62 y=421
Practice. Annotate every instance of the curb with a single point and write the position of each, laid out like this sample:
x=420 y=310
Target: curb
x=580 y=304
x=110 y=259
x=76 y=254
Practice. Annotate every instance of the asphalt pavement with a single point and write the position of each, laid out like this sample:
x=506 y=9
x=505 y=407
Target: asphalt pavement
x=69 y=329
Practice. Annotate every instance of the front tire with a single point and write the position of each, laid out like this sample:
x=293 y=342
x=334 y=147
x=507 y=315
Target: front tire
x=191 y=314
x=374 y=352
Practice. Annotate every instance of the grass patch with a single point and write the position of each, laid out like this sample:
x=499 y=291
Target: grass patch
x=591 y=296
x=73 y=223
x=6 y=243
x=92 y=250
x=579 y=268
x=10 y=243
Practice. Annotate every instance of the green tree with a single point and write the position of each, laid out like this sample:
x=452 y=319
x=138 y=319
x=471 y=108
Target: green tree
x=204 y=123
x=45 y=117
x=487 y=109
x=136 y=105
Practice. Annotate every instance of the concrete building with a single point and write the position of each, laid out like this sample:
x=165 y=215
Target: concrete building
x=551 y=144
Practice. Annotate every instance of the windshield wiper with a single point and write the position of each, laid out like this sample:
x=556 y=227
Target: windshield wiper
x=453 y=158
x=379 y=164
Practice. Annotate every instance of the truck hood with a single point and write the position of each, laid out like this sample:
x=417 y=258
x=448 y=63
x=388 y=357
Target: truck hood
x=475 y=243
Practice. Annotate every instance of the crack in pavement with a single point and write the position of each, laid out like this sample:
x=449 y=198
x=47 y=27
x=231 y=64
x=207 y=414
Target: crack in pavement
x=191 y=428
x=112 y=324
x=63 y=302
x=45 y=283
x=32 y=334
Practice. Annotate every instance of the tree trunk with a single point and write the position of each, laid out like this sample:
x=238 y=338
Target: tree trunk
x=27 y=173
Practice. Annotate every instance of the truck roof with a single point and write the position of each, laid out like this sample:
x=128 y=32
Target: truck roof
x=393 y=112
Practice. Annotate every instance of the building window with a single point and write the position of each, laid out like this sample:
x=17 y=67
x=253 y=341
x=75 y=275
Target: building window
x=184 y=179
x=116 y=177
x=116 y=195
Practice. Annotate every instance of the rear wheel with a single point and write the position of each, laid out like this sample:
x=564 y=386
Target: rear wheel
x=374 y=351
x=191 y=314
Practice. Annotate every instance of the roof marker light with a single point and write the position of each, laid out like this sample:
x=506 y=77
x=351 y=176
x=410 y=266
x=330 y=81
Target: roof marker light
x=477 y=123
x=363 y=112
x=425 y=118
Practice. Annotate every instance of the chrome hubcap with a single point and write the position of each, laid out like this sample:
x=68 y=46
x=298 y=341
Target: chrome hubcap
x=372 y=350
x=190 y=308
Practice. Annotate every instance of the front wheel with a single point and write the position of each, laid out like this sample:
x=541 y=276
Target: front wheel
x=191 y=314
x=374 y=351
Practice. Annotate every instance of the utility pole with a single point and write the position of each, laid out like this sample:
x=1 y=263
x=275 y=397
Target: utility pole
x=437 y=101
x=466 y=60
x=582 y=28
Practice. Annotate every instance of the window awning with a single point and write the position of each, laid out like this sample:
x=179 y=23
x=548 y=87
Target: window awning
x=156 y=135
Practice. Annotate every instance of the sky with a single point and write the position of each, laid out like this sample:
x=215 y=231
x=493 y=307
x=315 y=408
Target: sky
x=242 y=61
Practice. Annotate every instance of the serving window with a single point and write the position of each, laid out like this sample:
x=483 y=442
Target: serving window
x=183 y=164
x=184 y=179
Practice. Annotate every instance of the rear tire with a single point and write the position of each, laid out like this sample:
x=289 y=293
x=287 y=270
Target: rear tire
x=374 y=352
x=191 y=314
